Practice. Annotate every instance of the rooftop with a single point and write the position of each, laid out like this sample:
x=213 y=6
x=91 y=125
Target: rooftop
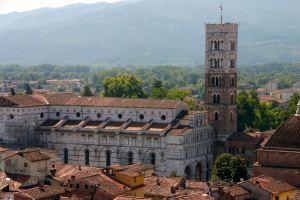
x=287 y=136
x=42 y=192
x=271 y=185
x=69 y=99
x=31 y=155
x=235 y=190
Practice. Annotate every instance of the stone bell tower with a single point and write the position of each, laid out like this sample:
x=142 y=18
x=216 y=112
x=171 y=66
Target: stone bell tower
x=221 y=79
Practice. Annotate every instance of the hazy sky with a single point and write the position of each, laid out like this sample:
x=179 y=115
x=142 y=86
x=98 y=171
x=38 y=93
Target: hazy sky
x=7 y=6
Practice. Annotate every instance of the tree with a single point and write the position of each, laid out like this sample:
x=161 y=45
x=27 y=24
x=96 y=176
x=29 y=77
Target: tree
x=123 y=86
x=222 y=168
x=229 y=168
x=159 y=93
x=87 y=91
x=293 y=104
x=27 y=88
x=157 y=84
x=239 y=168
x=178 y=94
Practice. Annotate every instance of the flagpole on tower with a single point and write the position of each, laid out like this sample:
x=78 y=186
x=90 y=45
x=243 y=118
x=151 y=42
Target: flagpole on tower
x=221 y=7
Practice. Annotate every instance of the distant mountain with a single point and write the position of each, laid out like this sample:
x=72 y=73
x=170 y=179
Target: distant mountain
x=148 y=32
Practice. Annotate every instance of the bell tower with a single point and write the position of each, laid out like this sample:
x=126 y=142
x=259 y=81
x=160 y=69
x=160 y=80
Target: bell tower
x=221 y=78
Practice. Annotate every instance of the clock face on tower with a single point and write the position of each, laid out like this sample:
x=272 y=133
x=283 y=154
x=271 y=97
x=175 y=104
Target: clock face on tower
x=221 y=78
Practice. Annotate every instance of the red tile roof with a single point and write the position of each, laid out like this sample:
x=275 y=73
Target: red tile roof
x=271 y=185
x=31 y=155
x=287 y=136
x=124 y=102
x=190 y=196
x=43 y=192
x=73 y=100
x=161 y=186
x=131 y=198
x=235 y=191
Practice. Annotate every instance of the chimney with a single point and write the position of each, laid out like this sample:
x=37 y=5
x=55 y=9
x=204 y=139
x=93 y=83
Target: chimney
x=79 y=167
x=158 y=182
x=183 y=183
x=42 y=187
x=173 y=190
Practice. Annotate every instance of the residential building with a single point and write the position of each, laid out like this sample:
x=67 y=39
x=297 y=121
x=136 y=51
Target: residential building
x=246 y=145
x=267 y=188
x=234 y=192
x=28 y=166
x=159 y=188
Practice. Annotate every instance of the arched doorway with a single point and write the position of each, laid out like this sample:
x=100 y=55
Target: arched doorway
x=198 y=172
x=187 y=172
x=108 y=158
x=87 y=157
x=66 y=156
x=129 y=158
x=152 y=158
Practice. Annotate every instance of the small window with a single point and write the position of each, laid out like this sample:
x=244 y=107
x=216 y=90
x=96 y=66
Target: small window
x=77 y=186
x=11 y=116
x=42 y=115
x=57 y=114
x=142 y=117
x=71 y=185
x=120 y=116
x=25 y=164
x=98 y=115
x=86 y=186
x=78 y=114
x=216 y=116
x=163 y=117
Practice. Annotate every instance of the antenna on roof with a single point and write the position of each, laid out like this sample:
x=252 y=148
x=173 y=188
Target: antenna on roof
x=221 y=8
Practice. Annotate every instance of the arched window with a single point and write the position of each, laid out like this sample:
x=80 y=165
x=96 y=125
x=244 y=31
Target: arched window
x=152 y=158
x=66 y=156
x=232 y=63
x=211 y=63
x=211 y=45
x=129 y=158
x=216 y=116
x=78 y=114
x=215 y=63
x=108 y=158
x=221 y=62
x=232 y=99
x=163 y=117
x=141 y=116
x=216 y=46
x=218 y=98
x=213 y=81
x=217 y=81
x=87 y=157
x=218 y=63
x=57 y=114
x=120 y=116
x=214 y=98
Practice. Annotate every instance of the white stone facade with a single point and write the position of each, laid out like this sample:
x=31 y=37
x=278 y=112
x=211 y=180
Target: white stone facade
x=160 y=132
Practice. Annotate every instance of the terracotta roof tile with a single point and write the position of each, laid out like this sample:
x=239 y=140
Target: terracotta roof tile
x=43 y=192
x=124 y=102
x=32 y=155
x=161 y=186
x=131 y=198
x=271 y=185
x=287 y=136
x=235 y=190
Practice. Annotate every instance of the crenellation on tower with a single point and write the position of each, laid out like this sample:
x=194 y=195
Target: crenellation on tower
x=221 y=78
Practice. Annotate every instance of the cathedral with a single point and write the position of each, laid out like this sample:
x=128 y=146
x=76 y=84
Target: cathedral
x=101 y=131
